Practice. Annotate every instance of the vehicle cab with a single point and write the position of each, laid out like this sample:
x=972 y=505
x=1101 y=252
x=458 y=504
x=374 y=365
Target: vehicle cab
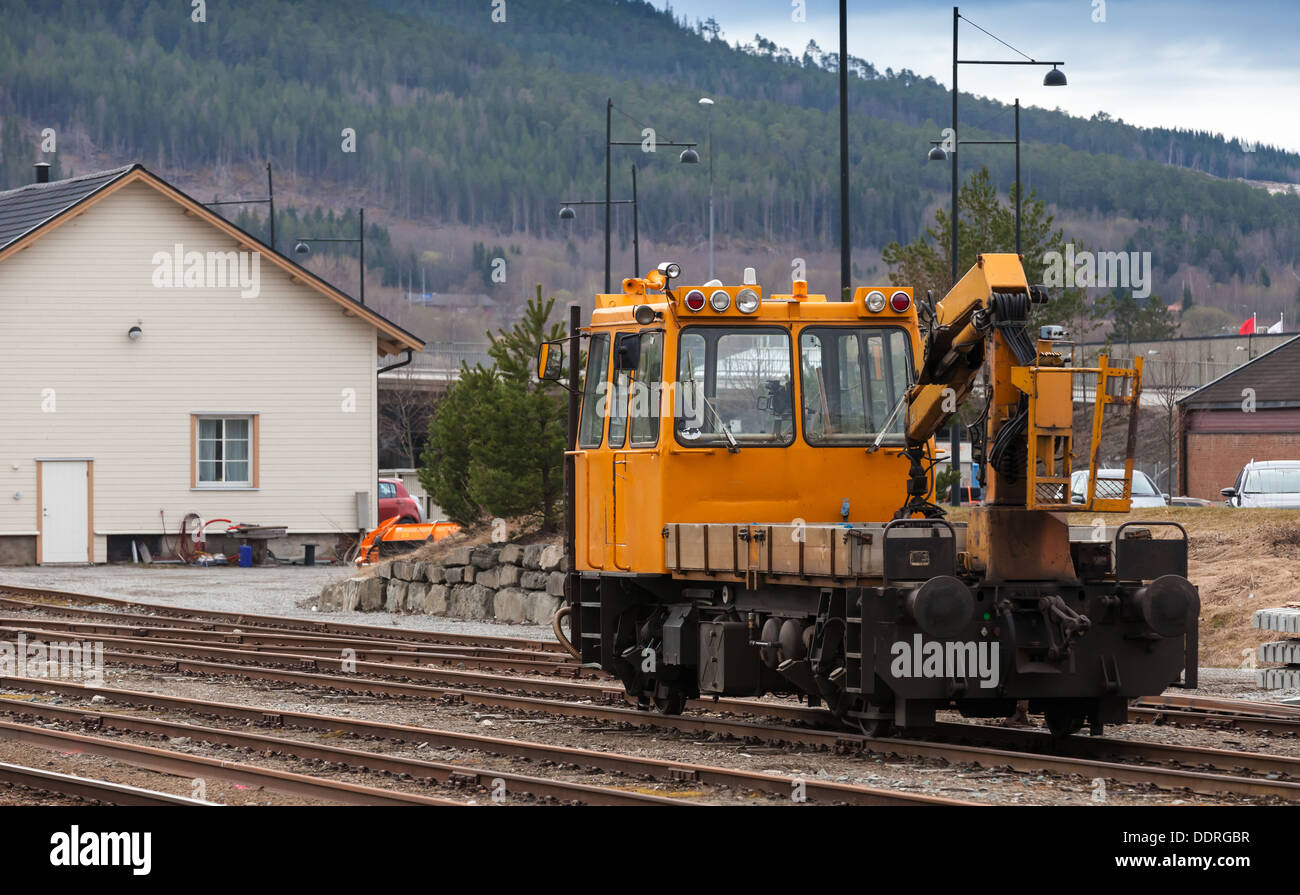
x=723 y=404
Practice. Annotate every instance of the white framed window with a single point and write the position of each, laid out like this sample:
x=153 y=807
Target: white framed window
x=223 y=450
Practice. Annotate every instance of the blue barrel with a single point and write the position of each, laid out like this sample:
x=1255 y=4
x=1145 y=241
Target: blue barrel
x=245 y=556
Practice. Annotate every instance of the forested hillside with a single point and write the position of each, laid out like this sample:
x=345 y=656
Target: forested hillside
x=461 y=120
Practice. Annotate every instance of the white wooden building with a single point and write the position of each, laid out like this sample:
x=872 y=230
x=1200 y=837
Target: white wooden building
x=158 y=361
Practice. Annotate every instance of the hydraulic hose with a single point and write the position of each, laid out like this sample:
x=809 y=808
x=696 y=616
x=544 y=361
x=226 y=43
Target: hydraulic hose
x=560 y=615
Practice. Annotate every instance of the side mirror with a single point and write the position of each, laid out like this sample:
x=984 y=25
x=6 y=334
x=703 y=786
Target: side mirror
x=1228 y=492
x=627 y=351
x=550 y=361
x=1166 y=497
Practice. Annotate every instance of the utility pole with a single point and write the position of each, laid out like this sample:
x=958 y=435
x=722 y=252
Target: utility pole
x=956 y=16
x=846 y=250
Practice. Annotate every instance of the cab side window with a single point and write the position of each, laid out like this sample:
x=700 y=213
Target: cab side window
x=595 y=393
x=646 y=390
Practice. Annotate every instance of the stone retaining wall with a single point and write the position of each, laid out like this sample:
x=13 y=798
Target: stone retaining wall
x=508 y=582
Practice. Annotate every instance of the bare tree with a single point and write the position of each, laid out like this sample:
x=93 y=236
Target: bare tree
x=1168 y=376
x=405 y=404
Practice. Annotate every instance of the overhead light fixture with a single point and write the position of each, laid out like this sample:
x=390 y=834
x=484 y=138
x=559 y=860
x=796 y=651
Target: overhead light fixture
x=1054 y=78
x=302 y=249
x=689 y=157
x=938 y=155
x=566 y=213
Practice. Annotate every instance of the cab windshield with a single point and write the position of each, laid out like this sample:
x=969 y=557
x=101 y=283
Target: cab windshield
x=852 y=379
x=739 y=380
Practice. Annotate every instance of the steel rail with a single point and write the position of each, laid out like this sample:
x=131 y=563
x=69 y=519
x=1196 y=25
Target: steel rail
x=88 y=788
x=192 y=766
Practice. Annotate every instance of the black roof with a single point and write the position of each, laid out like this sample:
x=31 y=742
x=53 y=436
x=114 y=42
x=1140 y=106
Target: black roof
x=26 y=208
x=1273 y=376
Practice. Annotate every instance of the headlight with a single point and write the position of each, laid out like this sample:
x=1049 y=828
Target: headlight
x=694 y=300
x=747 y=301
x=900 y=301
x=875 y=301
x=720 y=300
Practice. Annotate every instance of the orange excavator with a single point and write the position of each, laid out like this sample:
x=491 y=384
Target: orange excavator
x=401 y=538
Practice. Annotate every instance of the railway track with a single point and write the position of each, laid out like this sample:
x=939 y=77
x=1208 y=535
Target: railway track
x=197 y=766
x=282 y=651
x=57 y=601
x=440 y=772
x=1125 y=771
x=87 y=789
x=413 y=664
x=1269 y=718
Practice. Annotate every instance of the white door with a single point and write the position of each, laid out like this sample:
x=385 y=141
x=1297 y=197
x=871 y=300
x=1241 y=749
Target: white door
x=65 y=506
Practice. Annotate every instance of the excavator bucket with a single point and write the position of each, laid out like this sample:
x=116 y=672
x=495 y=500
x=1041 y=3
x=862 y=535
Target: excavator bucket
x=392 y=537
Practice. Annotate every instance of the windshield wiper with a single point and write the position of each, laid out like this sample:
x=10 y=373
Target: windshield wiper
x=889 y=423
x=732 y=446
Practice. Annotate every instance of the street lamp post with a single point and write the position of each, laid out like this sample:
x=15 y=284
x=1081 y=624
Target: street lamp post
x=705 y=101
x=269 y=200
x=688 y=157
x=938 y=154
x=1054 y=78
x=846 y=250
x=303 y=248
x=567 y=214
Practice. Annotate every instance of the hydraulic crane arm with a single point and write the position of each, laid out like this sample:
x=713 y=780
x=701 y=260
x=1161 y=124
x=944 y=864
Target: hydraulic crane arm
x=1024 y=436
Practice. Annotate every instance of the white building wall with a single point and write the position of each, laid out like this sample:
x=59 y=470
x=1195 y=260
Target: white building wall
x=74 y=384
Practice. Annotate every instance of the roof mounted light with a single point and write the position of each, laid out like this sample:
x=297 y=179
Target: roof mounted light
x=720 y=300
x=670 y=269
x=900 y=301
x=875 y=301
x=644 y=315
x=694 y=301
x=747 y=301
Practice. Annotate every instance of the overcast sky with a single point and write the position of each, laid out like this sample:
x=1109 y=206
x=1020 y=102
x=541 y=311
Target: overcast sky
x=1228 y=66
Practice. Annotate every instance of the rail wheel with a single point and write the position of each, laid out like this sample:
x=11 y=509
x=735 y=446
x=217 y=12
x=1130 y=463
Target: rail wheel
x=1063 y=722
x=672 y=702
x=875 y=727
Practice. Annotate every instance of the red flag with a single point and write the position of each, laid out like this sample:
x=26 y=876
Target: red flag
x=1248 y=327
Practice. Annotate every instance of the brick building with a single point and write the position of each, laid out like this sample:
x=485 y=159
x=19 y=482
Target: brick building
x=1252 y=413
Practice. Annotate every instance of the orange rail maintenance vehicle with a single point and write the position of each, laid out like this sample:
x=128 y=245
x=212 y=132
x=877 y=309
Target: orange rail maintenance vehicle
x=749 y=507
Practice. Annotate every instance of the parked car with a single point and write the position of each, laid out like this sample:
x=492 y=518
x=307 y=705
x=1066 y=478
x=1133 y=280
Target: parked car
x=395 y=500
x=1266 y=483
x=1190 y=502
x=1144 y=493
